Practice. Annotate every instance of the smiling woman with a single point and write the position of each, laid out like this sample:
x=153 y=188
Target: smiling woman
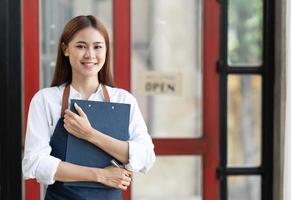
x=86 y=53
x=80 y=42
x=82 y=72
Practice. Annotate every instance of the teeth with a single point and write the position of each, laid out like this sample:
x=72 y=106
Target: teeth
x=88 y=64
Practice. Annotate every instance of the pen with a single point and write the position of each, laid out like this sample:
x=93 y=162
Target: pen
x=114 y=162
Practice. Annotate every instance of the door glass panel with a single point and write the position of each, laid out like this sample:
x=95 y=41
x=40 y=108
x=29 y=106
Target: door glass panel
x=171 y=178
x=245 y=32
x=244 y=120
x=244 y=187
x=166 y=65
x=52 y=26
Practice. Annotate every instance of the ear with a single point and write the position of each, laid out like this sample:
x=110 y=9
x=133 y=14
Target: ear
x=65 y=49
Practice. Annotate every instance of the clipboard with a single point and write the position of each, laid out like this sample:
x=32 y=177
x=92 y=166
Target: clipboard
x=109 y=118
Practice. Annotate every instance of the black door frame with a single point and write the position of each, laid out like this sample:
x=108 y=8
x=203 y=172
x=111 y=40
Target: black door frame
x=266 y=71
x=10 y=101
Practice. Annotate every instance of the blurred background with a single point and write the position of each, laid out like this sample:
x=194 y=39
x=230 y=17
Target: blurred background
x=209 y=77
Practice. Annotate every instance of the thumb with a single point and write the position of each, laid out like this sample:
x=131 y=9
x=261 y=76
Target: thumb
x=79 y=110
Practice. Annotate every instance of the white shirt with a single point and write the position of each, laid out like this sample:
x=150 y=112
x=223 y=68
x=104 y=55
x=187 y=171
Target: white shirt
x=44 y=113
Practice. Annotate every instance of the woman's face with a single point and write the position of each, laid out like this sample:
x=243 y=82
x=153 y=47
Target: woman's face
x=86 y=52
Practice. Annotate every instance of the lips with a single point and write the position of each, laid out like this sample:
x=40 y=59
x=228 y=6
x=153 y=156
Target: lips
x=89 y=65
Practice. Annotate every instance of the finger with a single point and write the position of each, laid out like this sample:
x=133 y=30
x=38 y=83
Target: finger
x=128 y=173
x=66 y=122
x=70 y=114
x=67 y=128
x=127 y=179
x=71 y=131
x=125 y=183
x=122 y=187
x=80 y=111
x=69 y=121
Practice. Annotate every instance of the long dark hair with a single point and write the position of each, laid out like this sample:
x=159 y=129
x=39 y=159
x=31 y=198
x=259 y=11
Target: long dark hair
x=63 y=69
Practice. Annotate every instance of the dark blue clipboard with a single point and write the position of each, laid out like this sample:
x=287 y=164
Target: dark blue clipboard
x=109 y=118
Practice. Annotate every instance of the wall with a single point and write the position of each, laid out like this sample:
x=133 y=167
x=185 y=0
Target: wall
x=279 y=97
x=287 y=164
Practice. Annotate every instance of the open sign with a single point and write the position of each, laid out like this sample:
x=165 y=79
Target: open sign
x=158 y=83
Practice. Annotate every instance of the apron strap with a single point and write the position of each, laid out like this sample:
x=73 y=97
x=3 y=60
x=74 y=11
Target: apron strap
x=105 y=93
x=66 y=94
x=65 y=99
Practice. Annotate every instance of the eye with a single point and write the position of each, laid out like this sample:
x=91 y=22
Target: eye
x=81 y=46
x=98 y=47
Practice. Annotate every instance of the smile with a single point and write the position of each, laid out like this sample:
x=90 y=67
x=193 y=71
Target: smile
x=88 y=64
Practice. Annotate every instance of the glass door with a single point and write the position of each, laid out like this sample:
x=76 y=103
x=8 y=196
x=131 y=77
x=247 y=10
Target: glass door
x=168 y=60
x=166 y=78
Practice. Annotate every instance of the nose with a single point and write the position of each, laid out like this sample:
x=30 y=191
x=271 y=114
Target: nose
x=90 y=53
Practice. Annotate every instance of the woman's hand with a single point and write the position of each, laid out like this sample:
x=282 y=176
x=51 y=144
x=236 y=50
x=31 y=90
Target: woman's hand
x=115 y=177
x=78 y=125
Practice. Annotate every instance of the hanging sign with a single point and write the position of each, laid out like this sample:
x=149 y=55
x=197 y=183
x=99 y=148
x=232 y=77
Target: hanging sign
x=159 y=83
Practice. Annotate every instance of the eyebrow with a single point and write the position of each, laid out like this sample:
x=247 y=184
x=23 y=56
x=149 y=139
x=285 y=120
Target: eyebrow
x=83 y=42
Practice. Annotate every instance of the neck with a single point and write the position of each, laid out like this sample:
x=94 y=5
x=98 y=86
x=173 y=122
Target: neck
x=85 y=87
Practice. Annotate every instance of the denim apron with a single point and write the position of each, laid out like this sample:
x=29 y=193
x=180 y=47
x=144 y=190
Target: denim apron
x=58 y=143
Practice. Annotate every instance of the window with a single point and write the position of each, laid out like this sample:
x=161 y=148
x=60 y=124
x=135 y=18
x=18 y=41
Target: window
x=246 y=100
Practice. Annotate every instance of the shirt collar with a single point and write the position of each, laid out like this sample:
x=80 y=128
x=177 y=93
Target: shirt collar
x=74 y=94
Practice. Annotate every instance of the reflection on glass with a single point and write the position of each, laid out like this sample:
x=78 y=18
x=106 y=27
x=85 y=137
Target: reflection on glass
x=244 y=187
x=52 y=26
x=244 y=120
x=171 y=178
x=245 y=32
x=166 y=65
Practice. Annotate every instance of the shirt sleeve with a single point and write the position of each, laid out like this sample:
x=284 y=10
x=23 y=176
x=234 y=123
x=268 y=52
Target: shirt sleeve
x=37 y=162
x=141 y=148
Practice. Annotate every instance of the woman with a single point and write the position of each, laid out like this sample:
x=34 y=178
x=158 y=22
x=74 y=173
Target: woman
x=82 y=72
